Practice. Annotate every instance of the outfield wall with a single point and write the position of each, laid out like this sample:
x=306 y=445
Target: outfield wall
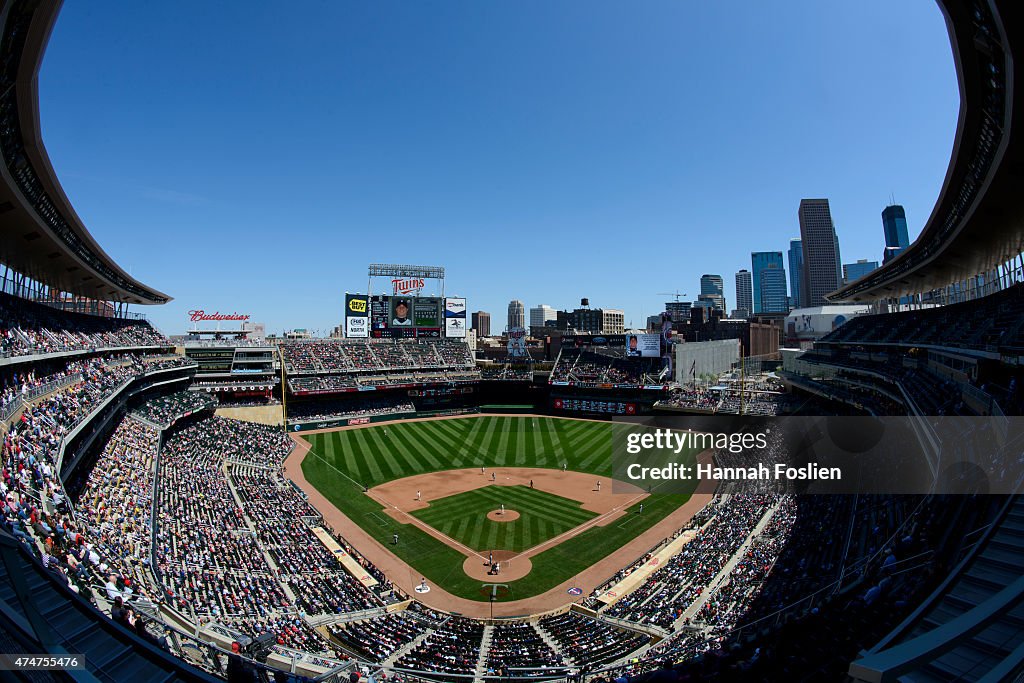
x=306 y=425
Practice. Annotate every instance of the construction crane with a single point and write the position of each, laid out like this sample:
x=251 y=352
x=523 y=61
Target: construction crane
x=677 y=294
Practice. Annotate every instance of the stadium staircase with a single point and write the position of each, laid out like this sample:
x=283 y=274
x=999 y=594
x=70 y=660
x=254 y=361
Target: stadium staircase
x=712 y=585
x=973 y=627
x=392 y=661
x=267 y=557
x=485 y=648
x=43 y=615
x=553 y=644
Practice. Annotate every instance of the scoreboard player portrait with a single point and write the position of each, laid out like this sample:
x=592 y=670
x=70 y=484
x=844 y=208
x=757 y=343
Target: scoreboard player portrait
x=400 y=313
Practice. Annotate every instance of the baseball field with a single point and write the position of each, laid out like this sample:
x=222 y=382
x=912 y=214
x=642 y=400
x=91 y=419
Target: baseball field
x=533 y=491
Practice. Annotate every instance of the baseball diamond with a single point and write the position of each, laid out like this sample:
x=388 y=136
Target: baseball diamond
x=372 y=475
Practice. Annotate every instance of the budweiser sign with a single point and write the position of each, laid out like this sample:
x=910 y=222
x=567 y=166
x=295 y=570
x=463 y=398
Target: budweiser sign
x=407 y=285
x=203 y=316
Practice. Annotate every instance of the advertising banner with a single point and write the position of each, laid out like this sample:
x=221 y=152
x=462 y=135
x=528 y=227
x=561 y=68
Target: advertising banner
x=357 y=316
x=455 y=317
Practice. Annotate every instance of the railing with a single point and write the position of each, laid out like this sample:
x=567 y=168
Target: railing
x=8 y=409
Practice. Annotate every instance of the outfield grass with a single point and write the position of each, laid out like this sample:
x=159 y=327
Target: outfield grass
x=541 y=516
x=341 y=463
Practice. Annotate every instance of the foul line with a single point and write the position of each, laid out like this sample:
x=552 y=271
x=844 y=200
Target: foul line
x=421 y=525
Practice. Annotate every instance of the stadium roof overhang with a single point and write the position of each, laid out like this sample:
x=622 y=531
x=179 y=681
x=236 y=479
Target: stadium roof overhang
x=978 y=220
x=41 y=235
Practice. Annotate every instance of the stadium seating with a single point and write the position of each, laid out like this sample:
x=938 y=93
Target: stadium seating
x=588 y=642
x=378 y=638
x=28 y=328
x=453 y=647
x=991 y=323
x=519 y=650
x=605 y=366
x=165 y=410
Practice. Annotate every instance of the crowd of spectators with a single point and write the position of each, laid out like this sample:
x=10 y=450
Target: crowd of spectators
x=507 y=372
x=692 y=398
x=213 y=547
x=589 y=642
x=329 y=410
x=816 y=639
x=987 y=323
x=29 y=328
x=517 y=649
x=165 y=410
x=116 y=504
x=667 y=592
x=378 y=638
x=453 y=647
x=337 y=355
x=606 y=366
x=105 y=549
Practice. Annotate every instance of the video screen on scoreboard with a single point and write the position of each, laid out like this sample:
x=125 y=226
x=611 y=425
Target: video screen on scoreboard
x=379 y=311
x=426 y=312
x=401 y=311
x=643 y=345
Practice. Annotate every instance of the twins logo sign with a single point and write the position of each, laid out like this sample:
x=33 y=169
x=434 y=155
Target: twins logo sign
x=517 y=342
x=407 y=285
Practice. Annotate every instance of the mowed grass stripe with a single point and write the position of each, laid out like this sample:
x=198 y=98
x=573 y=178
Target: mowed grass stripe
x=473 y=438
x=372 y=462
x=441 y=441
x=344 y=457
x=542 y=516
x=382 y=456
x=501 y=452
x=551 y=445
x=422 y=460
x=595 y=449
x=413 y=463
x=490 y=445
x=520 y=444
x=453 y=441
x=460 y=439
x=518 y=498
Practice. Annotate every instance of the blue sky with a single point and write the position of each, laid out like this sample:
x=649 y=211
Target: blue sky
x=255 y=158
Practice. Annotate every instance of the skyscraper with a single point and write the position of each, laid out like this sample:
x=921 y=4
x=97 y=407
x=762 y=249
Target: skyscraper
x=541 y=315
x=821 y=267
x=855 y=271
x=894 y=225
x=744 y=302
x=482 y=323
x=762 y=262
x=773 y=291
x=712 y=289
x=516 y=314
x=796 y=268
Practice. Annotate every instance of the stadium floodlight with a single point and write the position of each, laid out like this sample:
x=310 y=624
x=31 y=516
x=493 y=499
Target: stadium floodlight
x=400 y=270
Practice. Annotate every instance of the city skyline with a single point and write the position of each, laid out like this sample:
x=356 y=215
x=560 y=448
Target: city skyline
x=432 y=131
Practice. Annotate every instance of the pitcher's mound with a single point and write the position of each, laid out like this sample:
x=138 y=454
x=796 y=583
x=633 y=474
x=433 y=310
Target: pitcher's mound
x=511 y=566
x=498 y=516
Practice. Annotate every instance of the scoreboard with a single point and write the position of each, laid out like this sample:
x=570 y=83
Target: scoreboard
x=406 y=317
